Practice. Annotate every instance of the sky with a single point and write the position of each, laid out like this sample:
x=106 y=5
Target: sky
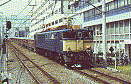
x=15 y=7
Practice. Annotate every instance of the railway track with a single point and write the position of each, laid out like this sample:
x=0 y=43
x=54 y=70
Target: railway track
x=101 y=77
x=35 y=71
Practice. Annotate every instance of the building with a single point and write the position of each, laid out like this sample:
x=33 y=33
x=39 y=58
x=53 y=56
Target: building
x=20 y=24
x=87 y=14
x=118 y=23
x=49 y=14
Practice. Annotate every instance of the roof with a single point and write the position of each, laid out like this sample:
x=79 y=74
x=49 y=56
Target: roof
x=23 y=38
x=63 y=30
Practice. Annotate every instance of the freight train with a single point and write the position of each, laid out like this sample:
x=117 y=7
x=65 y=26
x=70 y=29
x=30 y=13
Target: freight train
x=69 y=47
x=24 y=42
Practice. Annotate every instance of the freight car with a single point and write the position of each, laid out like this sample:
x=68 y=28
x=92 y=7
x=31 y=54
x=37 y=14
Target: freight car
x=72 y=48
x=25 y=42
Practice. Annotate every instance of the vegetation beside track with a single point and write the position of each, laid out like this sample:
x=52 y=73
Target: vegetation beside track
x=125 y=69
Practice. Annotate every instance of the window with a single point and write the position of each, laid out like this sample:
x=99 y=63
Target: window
x=87 y=34
x=59 y=9
x=126 y=23
x=116 y=24
x=121 y=23
x=49 y=24
x=111 y=5
x=126 y=2
x=99 y=0
x=46 y=17
x=111 y=25
x=120 y=3
x=107 y=7
x=56 y=11
x=93 y=12
x=43 y=18
x=56 y=22
x=116 y=4
x=99 y=30
x=53 y=23
x=129 y=1
x=116 y=27
x=90 y=12
x=86 y=14
x=60 y=20
x=126 y=26
x=69 y=34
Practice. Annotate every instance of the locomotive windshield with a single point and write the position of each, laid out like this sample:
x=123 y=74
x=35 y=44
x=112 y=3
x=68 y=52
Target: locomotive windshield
x=70 y=34
x=87 y=34
x=78 y=34
x=84 y=34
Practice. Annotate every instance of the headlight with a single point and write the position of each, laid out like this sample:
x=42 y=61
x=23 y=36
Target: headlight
x=71 y=55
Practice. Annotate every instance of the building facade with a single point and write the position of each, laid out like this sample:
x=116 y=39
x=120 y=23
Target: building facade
x=49 y=14
x=88 y=14
x=118 y=23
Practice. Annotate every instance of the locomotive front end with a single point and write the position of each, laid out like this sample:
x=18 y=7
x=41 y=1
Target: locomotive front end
x=77 y=48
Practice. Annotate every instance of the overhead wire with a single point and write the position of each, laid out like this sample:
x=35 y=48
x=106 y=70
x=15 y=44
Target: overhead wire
x=52 y=9
x=4 y=3
x=29 y=1
x=24 y=7
x=37 y=19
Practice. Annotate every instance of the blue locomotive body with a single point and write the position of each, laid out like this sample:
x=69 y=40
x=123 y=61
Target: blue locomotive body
x=67 y=46
x=49 y=40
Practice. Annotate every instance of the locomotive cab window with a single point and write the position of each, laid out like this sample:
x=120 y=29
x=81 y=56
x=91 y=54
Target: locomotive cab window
x=79 y=35
x=70 y=34
x=87 y=34
x=53 y=36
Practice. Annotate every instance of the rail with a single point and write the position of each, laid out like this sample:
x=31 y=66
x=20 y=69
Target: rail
x=99 y=78
x=17 y=53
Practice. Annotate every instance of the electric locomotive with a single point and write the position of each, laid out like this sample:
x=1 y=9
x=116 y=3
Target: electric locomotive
x=72 y=48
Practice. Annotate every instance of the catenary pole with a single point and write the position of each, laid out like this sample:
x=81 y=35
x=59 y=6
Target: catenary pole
x=104 y=30
x=62 y=7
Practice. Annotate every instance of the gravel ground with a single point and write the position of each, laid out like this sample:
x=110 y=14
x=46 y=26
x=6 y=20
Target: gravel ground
x=115 y=74
x=63 y=75
x=18 y=75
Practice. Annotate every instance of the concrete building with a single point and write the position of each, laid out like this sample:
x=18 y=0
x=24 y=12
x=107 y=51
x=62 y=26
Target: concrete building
x=118 y=23
x=20 y=25
x=87 y=14
x=49 y=14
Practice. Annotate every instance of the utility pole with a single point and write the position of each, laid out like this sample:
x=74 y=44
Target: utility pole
x=4 y=57
x=1 y=42
x=104 y=30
